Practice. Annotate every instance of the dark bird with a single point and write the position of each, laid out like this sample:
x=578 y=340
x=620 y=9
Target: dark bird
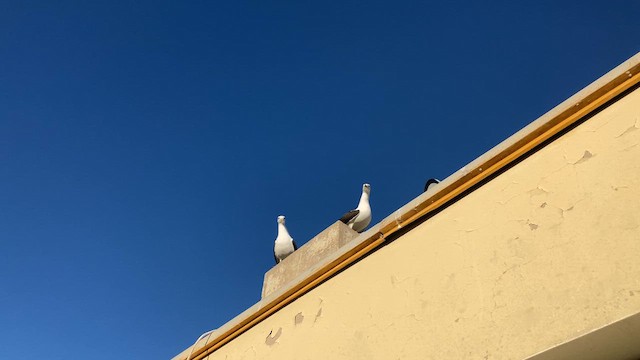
x=430 y=183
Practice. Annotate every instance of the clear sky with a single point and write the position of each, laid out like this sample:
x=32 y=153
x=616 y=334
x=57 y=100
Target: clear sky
x=147 y=147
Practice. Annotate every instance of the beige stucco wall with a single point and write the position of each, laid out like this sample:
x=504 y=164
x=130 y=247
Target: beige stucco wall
x=548 y=250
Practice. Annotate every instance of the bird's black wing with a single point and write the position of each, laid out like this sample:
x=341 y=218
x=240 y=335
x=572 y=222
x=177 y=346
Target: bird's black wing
x=429 y=183
x=275 y=257
x=295 y=247
x=349 y=216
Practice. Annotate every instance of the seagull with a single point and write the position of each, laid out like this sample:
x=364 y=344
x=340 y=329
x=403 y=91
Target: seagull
x=359 y=218
x=284 y=244
x=430 y=183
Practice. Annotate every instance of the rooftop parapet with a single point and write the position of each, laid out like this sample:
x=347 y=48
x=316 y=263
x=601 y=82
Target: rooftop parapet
x=316 y=249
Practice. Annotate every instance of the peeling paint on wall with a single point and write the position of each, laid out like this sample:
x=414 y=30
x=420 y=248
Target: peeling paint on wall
x=271 y=338
x=586 y=156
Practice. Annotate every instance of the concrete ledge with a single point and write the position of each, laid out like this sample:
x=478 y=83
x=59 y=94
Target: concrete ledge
x=618 y=340
x=314 y=251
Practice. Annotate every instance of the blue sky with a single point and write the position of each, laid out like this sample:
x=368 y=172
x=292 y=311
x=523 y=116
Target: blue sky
x=147 y=147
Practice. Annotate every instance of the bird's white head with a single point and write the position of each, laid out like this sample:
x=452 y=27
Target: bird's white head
x=366 y=188
x=281 y=219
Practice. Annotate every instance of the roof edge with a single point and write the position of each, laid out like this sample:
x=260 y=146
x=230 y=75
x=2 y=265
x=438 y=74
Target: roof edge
x=570 y=111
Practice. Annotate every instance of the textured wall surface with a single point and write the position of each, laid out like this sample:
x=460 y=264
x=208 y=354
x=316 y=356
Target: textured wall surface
x=546 y=251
